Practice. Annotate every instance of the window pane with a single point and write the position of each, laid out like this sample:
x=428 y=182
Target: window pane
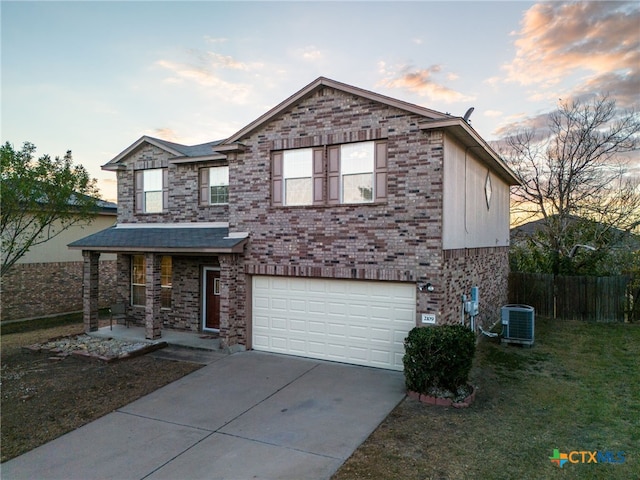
x=357 y=158
x=165 y=298
x=153 y=180
x=166 y=271
x=298 y=191
x=220 y=194
x=138 y=295
x=153 y=202
x=138 y=270
x=297 y=163
x=219 y=176
x=357 y=188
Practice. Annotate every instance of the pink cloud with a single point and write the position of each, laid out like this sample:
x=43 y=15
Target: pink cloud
x=597 y=41
x=422 y=83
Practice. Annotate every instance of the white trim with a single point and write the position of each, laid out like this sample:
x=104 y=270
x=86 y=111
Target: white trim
x=175 y=225
x=204 y=299
x=237 y=235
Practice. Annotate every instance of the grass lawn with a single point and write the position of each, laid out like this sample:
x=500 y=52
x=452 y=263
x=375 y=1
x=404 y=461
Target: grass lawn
x=577 y=389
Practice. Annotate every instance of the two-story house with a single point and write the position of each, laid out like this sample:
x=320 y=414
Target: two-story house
x=328 y=228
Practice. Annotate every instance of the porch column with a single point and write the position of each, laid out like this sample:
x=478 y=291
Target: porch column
x=90 y=282
x=231 y=333
x=152 y=318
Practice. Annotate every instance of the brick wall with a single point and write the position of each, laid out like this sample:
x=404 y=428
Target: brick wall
x=40 y=289
x=186 y=304
x=486 y=268
x=183 y=190
x=398 y=239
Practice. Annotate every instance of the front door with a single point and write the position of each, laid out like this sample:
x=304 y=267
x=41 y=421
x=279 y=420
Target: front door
x=211 y=309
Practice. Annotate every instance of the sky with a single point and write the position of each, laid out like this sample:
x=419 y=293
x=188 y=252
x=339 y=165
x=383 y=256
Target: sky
x=93 y=77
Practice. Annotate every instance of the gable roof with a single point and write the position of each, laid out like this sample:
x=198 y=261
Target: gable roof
x=216 y=150
x=187 y=152
x=321 y=82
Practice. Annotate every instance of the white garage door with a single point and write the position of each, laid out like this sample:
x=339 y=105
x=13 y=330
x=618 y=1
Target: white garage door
x=359 y=322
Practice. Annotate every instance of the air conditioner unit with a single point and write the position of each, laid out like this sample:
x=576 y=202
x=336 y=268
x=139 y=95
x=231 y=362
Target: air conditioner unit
x=518 y=324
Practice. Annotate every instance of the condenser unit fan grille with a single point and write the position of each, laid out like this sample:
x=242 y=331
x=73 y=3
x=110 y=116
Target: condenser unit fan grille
x=518 y=324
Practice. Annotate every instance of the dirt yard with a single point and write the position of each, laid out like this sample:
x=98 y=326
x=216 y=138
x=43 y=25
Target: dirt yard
x=43 y=399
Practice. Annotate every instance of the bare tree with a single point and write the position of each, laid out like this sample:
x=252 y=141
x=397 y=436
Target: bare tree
x=40 y=199
x=576 y=171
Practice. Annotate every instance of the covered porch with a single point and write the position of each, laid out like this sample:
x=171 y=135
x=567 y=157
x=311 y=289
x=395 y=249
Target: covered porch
x=156 y=300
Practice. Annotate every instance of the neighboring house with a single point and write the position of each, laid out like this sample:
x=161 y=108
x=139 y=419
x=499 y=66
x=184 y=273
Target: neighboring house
x=47 y=280
x=616 y=238
x=327 y=228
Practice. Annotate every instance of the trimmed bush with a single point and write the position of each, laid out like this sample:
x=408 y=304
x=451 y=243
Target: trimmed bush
x=438 y=357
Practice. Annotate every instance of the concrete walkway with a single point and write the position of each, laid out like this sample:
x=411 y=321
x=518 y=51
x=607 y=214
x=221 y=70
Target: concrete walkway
x=178 y=338
x=244 y=416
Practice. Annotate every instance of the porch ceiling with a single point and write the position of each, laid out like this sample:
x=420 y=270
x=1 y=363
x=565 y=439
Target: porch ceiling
x=163 y=239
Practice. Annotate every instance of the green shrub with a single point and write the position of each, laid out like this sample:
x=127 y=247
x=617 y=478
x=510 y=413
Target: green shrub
x=438 y=357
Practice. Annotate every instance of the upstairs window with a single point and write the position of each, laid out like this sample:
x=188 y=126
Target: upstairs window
x=219 y=185
x=341 y=174
x=297 y=177
x=151 y=190
x=214 y=185
x=356 y=172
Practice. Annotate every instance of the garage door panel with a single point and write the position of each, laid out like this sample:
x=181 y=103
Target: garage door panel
x=361 y=353
x=298 y=326
x=278 y=304
x=358 y=333
x=317 y=327
x=316 y=306
x=360 y=322
x=278 y=324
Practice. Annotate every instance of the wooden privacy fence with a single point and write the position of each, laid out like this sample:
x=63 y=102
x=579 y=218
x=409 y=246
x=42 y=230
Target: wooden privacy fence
x=599 y=299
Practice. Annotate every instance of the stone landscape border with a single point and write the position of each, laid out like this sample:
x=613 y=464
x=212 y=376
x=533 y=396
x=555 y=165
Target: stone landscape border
x=108 y=349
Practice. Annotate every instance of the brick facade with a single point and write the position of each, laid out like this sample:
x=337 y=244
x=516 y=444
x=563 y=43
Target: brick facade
x=186 y=293
x=183 y=190
x=32 y=290
x=486 y=268
x=397 y=238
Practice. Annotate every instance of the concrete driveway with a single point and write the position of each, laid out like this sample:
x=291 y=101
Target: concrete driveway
x=247 y=415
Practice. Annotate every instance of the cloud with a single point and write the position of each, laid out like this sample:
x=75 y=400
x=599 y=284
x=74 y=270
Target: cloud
x=597 y=42
x=209 y=70
x=492 y=113
x=167 y=134
x=209 y=39
x=521 y=122
x=310 y=52
x=420 y=82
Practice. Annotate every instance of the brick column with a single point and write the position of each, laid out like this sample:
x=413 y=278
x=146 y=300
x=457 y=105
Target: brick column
x=232 y=321
x=152 y=318
x=90 y=282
